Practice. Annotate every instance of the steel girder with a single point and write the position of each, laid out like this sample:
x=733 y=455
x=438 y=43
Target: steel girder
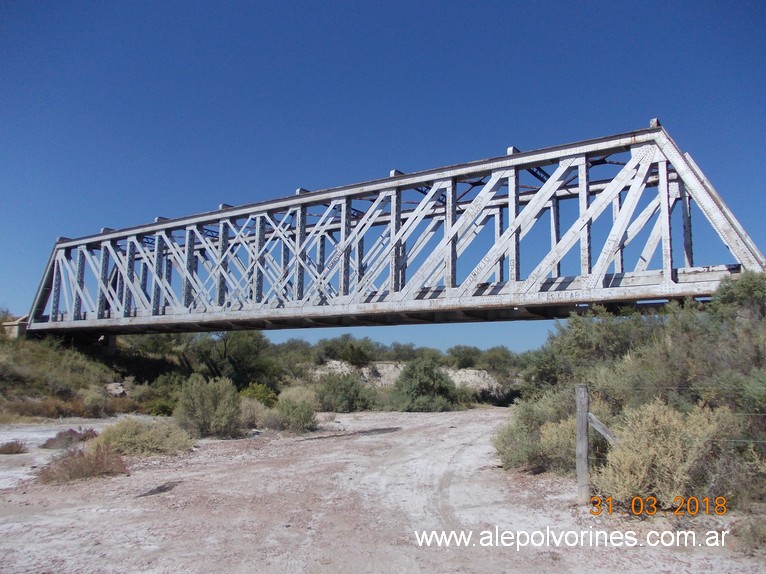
x=483 y=240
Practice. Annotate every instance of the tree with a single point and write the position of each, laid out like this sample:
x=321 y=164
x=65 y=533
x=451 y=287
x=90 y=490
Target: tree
x=746 y=294
x=463 y=356
x=423 y=386
x=240 y=356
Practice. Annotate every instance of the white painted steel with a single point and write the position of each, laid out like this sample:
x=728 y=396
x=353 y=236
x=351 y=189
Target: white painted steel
x=449 y=244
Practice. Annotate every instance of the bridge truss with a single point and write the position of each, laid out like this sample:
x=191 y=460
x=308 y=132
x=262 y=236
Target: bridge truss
x=526 y=235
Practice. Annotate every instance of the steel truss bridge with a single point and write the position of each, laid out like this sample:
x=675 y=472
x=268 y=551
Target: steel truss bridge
x=526 y=235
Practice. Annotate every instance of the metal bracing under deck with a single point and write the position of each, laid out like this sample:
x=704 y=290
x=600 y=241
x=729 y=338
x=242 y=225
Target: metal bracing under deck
x=525 y=235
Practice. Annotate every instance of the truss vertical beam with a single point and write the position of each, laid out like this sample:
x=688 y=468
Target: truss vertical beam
x=56 y=293
x=258 y=260
x=103 y=285
x=159 y=257
x=584 y=202
x=79 y=283
x=500 y=264
x=395 y=276
x=345 y=256
x=450 y=254
x=222 y=269
x=686 y=210
x=130 y=273
x=190 y=265
x=667 y=245
x=299 y=273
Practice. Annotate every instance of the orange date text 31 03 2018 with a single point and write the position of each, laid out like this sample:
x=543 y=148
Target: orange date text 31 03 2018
x=649 y=506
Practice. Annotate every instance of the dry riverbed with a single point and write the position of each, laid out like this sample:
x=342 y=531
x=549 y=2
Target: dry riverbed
x=348 y=498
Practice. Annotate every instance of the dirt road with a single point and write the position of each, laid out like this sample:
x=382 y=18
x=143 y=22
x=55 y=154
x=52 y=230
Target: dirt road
x=346 y=499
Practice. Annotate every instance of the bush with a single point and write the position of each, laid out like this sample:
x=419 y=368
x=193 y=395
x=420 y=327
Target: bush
x=251 y=413
x=95 y=401
x=75 y=464
x=69 y=437
x=132 y=436
x=160 y=407
x=119 y=405
x=50 y=407
x=344 y=394
x=745 y=295
x=296 y=407
x=518 y=442
x=273 y=419
x=14 y=446
x=557 y=445
x=208 y=408
x=261 y=393
x=665 y=454
x=423 y=386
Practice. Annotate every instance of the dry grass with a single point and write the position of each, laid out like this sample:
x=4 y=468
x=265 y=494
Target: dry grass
x=14 y=446
x=75 y=464
x=132 y=436
x=50 y=408
x=10 y=418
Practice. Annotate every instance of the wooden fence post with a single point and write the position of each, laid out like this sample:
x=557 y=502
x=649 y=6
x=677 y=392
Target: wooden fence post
x=583 y=479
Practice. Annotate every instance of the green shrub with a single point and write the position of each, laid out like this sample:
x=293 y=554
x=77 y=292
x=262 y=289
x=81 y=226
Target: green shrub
x=344 y=394
x=208 y=408
x=76 y=463
x=745 y=295
x=132 y=436
x=423 y=386
x=665 y=454
x=557 y=445
x=296 y=407
x=518 y=441
x=260 y=392
x=160 y=407
x=465 y=396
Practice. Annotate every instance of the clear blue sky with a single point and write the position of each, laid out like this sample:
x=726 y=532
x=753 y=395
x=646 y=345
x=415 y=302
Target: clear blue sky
x=112 y=113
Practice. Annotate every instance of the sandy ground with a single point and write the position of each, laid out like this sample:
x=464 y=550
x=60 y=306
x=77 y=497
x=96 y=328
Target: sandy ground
x=345 y=499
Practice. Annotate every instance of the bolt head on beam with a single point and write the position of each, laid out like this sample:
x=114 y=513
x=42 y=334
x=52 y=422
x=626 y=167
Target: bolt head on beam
x=301 y=190
x=512 y=150
x=654 y=123
x=395 y=172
